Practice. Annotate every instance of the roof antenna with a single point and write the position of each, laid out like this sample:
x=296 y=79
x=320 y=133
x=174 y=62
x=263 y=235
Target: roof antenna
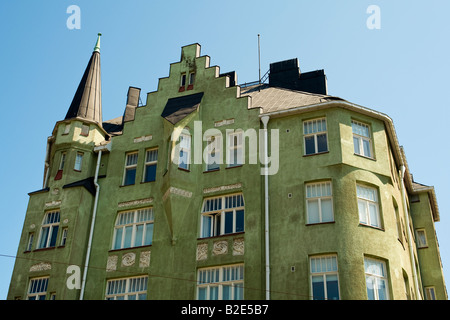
x=259 y=63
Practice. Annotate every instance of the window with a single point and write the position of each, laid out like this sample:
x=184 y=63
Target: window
x=183 y=80
x=64 y=236
x=62 y=161
x=130 y=168
x=151 y=159
x=78 y=161
x=185 y=151
x=49 y=230
x=221 y=283
x=127 y=289
x=368 y=206
x=430 y=293
x=37 y=289
x=30 y=241
x=85 y=130
x=361 y=139
x=315 y=136
x=324 y=278
x=191 y=78
x=66 y=128
x=213 y=156
x=376 y=279
x=421 y=238
x=235 y=146
x=319 y=202
x=133 y=229
x=222 y=215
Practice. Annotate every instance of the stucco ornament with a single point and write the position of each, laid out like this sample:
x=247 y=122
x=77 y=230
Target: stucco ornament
x=111 y=264
x=42 y=266
x=128 y=259
x=238 y=247
x=202 y=251
x=144 y=260
x=220 y=247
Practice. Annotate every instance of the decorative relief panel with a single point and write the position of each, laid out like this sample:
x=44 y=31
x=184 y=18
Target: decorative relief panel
x=202 y=251
x=238 y=247
x=111 y=264
x=42 y=266
x=144 y=260
x=128 y=259
x=220 y=247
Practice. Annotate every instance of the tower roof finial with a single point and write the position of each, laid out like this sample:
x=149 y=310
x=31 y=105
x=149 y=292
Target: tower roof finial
x=97 y=45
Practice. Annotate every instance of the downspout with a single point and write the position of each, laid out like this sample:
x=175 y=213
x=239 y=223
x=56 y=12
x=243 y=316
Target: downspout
x=265 y=120
x=410 y=244
x=94 y=214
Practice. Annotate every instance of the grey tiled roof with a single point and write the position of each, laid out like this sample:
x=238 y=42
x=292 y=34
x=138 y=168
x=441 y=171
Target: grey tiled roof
x=272 y=99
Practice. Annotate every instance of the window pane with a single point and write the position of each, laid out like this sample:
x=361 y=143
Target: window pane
x=309 y=145
x=206 y=224
x=370 y=288
x=327 y=210
x=313 y=211
x=118 y=240
x=322 y=143
x=362 y=211
x=214 y=293
x=239 y=291
x=226 y=292
x=53 y=236
x=332 y=287
x=148 y=234
x=44 y=237
x=382 y=293
x=139 y=235
x=366 y=145
x=130 y=176
x=150 y=173
x=127 y=239
x=356 y=145
x=373 y=212
x=202 y=293
x=228 y=222
x=239 y=220
x=318 y=288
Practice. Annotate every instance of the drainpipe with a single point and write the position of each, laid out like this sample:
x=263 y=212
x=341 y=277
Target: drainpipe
x=410 y=244
x=265 y=120
x=94 y=213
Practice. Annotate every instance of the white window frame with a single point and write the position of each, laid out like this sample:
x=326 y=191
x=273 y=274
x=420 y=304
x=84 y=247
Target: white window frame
x=319 y=191
x=78 y=161
x=314 y=128
x=64 y=236
x=421 y=237
x=51 y=222
x=374 y=278
x=153 y=161
x=184 y=147
x=37 y=288
x=183 y=80
x=62 y=161
x=214 y=215
x=191 y=79
x=132 y=288
x=324 y=266
x=430 y=293
x=362 y=133
x=366 y=202
x=130 y=221
x=214 y=281
x=30 y=241
x=131 y=161
x=235 y=149
x=213 y=145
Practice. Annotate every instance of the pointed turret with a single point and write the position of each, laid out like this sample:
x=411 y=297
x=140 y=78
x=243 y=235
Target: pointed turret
x=87 y=102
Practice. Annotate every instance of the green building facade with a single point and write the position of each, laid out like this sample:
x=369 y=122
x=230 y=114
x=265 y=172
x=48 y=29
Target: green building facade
x=178 y=198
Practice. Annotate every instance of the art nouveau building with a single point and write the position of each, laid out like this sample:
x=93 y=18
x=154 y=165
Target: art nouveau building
x=214 y=190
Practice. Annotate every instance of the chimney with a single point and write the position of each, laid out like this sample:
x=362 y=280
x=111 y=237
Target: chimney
x=132 y=103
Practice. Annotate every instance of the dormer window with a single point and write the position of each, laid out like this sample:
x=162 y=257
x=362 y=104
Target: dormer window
x=182 y=82
x=191 y=81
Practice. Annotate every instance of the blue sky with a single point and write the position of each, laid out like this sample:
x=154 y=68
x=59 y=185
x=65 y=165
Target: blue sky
x=400 y=69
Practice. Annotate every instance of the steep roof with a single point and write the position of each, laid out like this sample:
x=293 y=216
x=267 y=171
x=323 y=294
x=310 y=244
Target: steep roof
x=87 y=102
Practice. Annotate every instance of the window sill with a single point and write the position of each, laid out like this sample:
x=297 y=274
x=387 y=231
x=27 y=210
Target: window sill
x=238 y=166
x=365 y=157
x=372 y=227
x=126 y=185
x=142 y=182
x=185 y=170
x=43 y=249
x=315 y=154
x=222 y=236
x=130 y=248
x=319 y=223
x=213 y=170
